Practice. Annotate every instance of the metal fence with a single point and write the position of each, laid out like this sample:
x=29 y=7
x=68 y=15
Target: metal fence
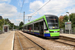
x=67 y=31
x=73 y=31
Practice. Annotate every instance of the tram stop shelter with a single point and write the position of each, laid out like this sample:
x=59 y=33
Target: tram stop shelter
x=5 y=28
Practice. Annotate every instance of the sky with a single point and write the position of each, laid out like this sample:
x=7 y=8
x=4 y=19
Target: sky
x=11 y=9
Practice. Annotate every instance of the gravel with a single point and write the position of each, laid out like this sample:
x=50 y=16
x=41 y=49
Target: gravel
x=49 y=44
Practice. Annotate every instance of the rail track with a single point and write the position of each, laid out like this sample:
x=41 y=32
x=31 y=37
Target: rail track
x=24 y=43
x=65 y=40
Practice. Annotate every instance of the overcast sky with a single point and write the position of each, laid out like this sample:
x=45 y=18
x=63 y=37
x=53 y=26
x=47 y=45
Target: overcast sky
x=11 y=8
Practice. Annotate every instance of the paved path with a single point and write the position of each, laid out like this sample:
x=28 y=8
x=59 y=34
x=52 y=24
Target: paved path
x=6 y=40
x=68 y=35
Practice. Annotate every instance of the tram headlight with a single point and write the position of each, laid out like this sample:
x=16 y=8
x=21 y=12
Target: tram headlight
x=46 y=31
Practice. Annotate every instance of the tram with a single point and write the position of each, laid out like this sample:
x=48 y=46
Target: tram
x=46 y=26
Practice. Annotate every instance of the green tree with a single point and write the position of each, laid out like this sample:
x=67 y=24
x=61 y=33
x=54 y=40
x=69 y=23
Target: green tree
x=20 y=25
x=1 y=23
x=72 y=19
x=61 y=18
x=65 y=19
x=7 y=22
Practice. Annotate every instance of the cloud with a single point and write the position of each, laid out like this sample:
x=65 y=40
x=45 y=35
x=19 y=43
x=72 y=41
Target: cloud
x=26 y=1
x=19 y=20
x=7 y=10
x=13 y=21
x=8 y=1
x=55 y=7
x=72 y=10
x=20 y=2
x=37 y=5
x=31 y=14
x=10 y=12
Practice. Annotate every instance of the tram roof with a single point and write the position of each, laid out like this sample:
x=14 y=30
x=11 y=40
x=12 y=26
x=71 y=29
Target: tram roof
x=39 y=19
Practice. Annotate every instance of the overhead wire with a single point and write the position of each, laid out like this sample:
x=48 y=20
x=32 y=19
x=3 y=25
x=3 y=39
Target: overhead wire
x=40 y=7
x=22 y=5
x=36 y=10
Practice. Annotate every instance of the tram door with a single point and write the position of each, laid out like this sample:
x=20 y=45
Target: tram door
x=41 y=28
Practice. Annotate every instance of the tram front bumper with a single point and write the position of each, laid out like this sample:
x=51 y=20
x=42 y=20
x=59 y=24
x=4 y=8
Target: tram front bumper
x=54 y=34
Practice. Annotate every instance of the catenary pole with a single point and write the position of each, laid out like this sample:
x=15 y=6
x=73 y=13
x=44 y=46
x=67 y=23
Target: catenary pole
x=24 y=17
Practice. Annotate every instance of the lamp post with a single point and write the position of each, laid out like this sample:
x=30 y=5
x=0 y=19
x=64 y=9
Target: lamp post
x=29 y=17
x=69 y=25
x=68 y=16
x=24 y=17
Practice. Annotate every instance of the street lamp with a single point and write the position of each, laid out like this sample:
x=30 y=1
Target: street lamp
x=29 y=17
x=69 y=23
x=68 y=16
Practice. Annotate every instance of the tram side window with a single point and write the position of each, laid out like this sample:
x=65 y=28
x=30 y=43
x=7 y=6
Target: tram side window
x=45 y=27
x=26 y=27
x=36 y=26
x=30 y=27
x=41 y=26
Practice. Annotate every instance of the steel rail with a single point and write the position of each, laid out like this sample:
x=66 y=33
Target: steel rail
x=19 y=42
x=33 y=42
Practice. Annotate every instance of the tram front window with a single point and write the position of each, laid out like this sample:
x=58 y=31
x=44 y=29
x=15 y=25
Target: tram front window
x=52 y=22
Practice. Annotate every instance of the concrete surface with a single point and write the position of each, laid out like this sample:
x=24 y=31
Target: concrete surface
x=6 y=40
x=68 y=35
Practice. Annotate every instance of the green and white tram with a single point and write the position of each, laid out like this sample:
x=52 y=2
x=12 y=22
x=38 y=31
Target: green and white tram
x=46 y=26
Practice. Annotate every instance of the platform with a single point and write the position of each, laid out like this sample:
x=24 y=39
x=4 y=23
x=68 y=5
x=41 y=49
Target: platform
x=68 y=35
x=7 y=40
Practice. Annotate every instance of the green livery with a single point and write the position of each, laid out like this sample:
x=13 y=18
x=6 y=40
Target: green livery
x=47 y=26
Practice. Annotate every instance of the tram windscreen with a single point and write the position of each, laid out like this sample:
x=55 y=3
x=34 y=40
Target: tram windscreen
x=52 y=22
